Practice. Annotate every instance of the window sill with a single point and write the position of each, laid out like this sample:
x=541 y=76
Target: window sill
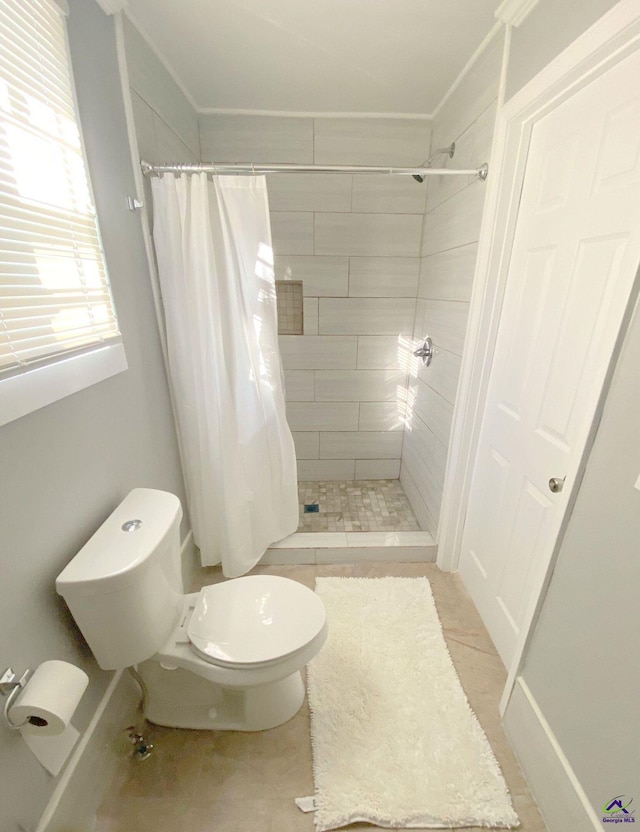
x=41 y=386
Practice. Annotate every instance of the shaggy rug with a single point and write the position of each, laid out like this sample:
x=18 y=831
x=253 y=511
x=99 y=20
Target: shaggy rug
x=395 y=742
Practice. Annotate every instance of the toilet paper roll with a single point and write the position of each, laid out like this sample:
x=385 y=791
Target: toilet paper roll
x=49 y=699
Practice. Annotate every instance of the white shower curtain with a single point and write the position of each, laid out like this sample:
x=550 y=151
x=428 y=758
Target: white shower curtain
x=213 y=244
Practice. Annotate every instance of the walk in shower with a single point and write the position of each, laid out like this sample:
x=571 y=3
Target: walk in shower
x=347 y=238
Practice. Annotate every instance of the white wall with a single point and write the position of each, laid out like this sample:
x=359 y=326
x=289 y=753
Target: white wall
x=449 y=246
x=65 y=467
x=581 y=665
x=354 y=241
x=547 y=30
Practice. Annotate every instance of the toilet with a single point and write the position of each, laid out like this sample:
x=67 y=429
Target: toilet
x=226 y=658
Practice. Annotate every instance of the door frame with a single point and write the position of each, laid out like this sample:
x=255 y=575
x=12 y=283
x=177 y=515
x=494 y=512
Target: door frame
x=607 y=42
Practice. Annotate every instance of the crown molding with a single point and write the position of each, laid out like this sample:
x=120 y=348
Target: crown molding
x=513 y=12
x=112 y=6
x=231 y=111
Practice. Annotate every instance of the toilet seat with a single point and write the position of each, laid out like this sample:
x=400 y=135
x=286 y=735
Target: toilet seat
x=254 y=621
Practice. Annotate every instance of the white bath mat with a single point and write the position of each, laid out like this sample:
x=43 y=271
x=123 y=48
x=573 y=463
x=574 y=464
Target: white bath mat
x=395 y=742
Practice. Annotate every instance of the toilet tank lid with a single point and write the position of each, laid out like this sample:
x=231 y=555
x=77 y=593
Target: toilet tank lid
x=126 y=538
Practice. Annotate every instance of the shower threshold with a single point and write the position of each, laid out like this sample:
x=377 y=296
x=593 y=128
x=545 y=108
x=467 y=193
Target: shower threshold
x=352 y=522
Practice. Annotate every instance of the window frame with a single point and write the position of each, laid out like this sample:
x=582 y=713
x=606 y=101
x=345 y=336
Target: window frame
x=66 y=373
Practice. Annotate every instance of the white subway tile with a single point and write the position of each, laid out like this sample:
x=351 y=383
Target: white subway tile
x=381 y=415
x=145 y=130
x=421 y=442
x=389 y=539
x=310 y=316
x=448 y=275
x=442 y=374
x=384 y=352
x=473 y=148
x=320 y=276
x=445 y=321
x=377 y=194
x=292 y=232
x=302 y=540
x=427 y=483
x=427 y=486
x=364 y=554
x=298 y=385
x=366 y=316
x=366 y=141
x=276 y=557
x=232 y=138
x=153 y=84
x=424 y=516
x=309 y=192
x=359 y=385
x=314 y=352
x=326 y=469
x=169 y=145
x=434 y=411
x=307 y=445
x=384 y=235
x=377 y=469
x=327 y=416
x=362 y=445
x=384 y=277
x=476 y=92
x=454 y=223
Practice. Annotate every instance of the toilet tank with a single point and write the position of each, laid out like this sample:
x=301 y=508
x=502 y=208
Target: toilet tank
x=124 y=587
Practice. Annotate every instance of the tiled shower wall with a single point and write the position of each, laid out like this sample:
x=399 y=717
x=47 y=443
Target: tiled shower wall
x=166 y=123
x=354 y=242
x=449 y=247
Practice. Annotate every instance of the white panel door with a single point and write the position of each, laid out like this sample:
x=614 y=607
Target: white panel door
x=574 y=259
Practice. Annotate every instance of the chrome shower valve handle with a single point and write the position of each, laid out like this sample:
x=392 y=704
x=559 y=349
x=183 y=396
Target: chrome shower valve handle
x=425 y=351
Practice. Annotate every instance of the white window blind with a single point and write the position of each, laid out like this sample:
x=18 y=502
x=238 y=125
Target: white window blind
x=55 y=299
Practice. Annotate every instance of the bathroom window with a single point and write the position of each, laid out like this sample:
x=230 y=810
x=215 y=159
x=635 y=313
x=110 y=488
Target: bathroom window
x=58 y=326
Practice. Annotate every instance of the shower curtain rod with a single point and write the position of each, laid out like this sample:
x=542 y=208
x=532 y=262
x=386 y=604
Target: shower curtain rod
x=149 y=169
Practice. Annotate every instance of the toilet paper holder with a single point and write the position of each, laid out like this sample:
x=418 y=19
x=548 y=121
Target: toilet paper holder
x=11 y=686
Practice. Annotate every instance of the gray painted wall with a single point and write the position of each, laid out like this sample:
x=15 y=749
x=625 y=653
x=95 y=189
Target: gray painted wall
x=582 y=666
x=65 y=467
x=546 y=32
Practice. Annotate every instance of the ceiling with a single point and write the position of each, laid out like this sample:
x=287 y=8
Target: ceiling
x=342 y=56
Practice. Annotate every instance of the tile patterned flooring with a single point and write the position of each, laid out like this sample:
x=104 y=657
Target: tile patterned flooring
x=201 y=781
x=360 y=506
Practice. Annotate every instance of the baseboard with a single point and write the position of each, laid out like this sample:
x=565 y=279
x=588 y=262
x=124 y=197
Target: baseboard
x=553 y=783
x=90 y=770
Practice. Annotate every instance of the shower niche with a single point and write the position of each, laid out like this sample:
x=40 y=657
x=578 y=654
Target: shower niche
x=290 y=300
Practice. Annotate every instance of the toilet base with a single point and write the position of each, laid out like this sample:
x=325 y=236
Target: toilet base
x=180 y=699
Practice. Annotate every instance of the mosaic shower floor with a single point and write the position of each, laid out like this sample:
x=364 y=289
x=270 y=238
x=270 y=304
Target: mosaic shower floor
x=360 y=506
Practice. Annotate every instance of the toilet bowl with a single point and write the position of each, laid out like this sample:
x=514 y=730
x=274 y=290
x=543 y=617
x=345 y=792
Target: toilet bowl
x=227 y=658
x=245 y=641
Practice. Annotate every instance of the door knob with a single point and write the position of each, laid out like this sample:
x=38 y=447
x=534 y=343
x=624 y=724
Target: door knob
x=556 y=484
